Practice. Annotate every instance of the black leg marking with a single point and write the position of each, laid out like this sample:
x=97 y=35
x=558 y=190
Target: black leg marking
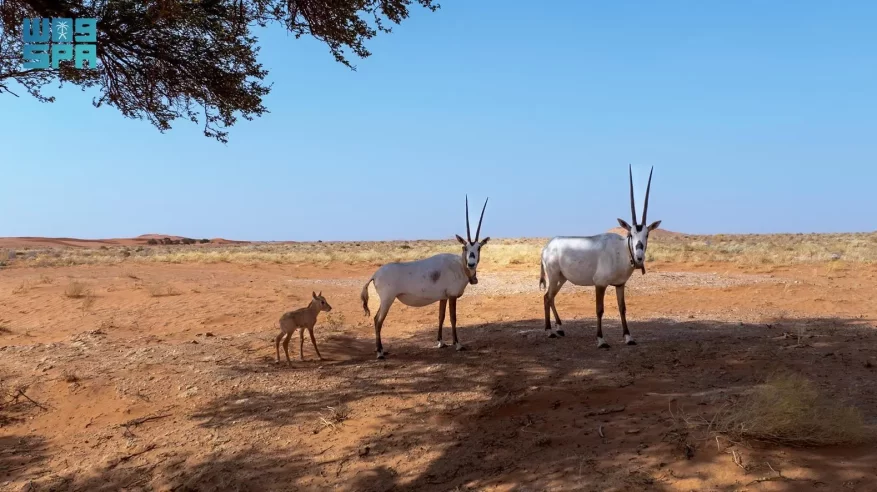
x=547 y=304
x=601 y=293
x=443 y=304
x=452 y=303
x=622 y=310
x=556 y=317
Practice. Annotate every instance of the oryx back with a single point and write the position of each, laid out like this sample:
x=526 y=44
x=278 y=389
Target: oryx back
x=422 y=282
x=587 y=260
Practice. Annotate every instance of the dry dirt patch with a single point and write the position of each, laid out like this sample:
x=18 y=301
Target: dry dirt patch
x=156 y=393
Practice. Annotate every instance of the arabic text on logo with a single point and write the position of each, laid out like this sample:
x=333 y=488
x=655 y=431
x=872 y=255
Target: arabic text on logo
x=48 y=42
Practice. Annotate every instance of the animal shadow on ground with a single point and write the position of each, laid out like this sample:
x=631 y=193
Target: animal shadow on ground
x=560 y=413
x=520 y=410
x=20 y=456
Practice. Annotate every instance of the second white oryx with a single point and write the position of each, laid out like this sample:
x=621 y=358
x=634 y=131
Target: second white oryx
x=601 y=260
x=442 y=277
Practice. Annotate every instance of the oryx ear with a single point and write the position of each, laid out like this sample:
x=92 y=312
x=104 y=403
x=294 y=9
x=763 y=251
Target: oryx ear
x=320 y=294
x=462 y=241
x=314 y=294
x=484 y=241
x=654 y=225
x=624 y=224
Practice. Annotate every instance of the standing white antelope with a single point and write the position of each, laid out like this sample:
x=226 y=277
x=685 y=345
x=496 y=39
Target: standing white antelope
x=442 y=277
x=601 y=260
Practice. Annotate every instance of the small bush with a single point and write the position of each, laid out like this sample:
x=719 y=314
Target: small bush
x=76 y=290
x=152 y=242
x=161 y=290
x=205 y=241
x=22 y=288
x=788 y=409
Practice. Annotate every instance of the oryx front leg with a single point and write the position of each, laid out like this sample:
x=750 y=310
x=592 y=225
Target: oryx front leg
x=379 y=323
x=622 y=310
x=443 y=304
x=601 y=293
x=453 y=307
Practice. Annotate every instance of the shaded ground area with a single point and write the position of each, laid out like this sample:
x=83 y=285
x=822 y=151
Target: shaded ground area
x=180 y=392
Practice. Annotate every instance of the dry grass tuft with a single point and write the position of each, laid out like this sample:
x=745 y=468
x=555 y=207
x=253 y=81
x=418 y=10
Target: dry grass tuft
x=162 y=290
x=333 y=416
x=87 y=302
x=77 y=290
x=788 y=409
x=22 y=288
x=5 y=330
x=839 y=250
x=69 y=377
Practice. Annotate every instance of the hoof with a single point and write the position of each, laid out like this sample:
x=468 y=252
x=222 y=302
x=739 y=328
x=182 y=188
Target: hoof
x=552 y=335
x=628 y=340
x=561 y=333
x=602 y=344
x=381 y=355
x=459 y=346
x=440 y=344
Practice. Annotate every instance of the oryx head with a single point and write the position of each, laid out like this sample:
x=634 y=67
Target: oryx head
x=638 y=234
x=321 y=301
x=472 y=249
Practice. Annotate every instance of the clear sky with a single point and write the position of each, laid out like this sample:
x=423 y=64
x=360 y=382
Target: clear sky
x=757 y=116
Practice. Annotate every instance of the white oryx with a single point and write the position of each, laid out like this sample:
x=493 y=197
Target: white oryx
x=601 y=260
x=442 y=277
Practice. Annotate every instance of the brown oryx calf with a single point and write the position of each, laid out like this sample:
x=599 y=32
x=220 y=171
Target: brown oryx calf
x=301 y=319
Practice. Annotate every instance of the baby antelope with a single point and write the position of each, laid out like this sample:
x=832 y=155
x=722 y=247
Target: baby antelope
x=301 y=319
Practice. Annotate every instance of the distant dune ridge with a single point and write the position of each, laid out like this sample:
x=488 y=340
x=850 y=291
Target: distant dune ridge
x=67 y=242
x=143 y=240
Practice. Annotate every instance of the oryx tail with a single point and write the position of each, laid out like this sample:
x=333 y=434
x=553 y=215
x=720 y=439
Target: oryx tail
x=364 y=296
x=541 y=274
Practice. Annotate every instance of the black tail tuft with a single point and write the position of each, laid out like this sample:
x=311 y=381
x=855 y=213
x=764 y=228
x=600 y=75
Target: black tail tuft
x=541 y=276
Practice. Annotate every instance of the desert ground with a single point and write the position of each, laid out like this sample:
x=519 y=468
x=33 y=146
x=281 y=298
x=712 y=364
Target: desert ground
x=126 y=365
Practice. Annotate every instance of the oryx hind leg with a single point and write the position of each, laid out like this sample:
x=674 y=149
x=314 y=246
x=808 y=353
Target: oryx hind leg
x=600 y=294
x=554 y=286
x=381 y=315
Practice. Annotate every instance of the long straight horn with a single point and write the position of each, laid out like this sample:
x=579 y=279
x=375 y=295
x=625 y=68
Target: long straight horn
x=648 y=187
x=478 y=231
x=468 y=234
x=632 y=205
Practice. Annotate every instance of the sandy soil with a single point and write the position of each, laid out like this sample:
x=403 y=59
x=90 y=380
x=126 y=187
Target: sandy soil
x=164 y=379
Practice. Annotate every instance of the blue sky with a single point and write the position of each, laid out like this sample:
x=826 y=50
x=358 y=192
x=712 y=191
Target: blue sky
x=757 y=116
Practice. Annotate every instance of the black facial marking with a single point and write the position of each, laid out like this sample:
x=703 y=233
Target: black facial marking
x=639 y=245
